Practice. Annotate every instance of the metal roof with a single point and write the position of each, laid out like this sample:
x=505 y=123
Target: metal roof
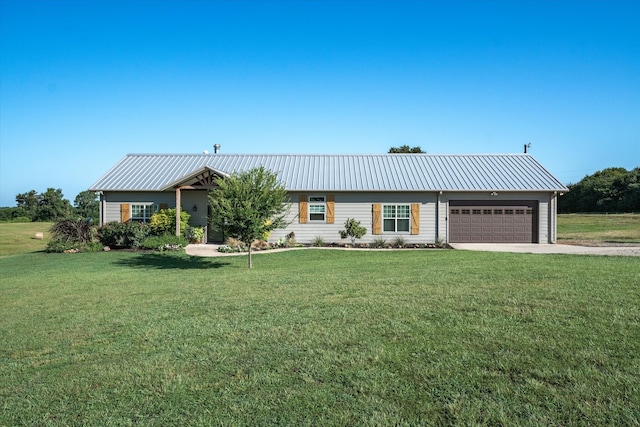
x=358 y=172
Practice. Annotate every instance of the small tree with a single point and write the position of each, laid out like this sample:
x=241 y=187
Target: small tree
x=353 y=230
x=248 y=205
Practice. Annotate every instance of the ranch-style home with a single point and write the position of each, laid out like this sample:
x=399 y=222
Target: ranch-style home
x=425 y=198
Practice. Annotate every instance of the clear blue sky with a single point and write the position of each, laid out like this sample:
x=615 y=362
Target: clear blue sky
x=82 y=83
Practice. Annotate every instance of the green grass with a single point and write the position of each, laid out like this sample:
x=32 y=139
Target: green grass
x=19 y=237
x=319 y=337
x=613 y=228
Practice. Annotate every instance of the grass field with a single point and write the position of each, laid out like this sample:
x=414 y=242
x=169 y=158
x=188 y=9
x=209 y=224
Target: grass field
x=319 y=338
x=613 y=228
x=19 y=237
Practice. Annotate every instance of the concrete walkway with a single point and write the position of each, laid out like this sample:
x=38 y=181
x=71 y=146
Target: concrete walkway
x=549 y=249
x=210 y=250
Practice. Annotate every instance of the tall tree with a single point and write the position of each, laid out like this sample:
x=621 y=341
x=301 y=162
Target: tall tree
x=28 y=204
x=87 y=205
x=53 y=205
x=248 y=205
x=406 y=149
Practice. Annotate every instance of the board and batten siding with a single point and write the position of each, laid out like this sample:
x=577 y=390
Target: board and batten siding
x=360 y=207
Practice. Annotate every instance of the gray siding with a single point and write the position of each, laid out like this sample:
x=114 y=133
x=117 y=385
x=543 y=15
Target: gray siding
x=359 y=206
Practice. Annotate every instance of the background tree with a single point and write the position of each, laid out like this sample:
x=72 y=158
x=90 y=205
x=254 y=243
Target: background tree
x=248 y=205
x=28 y=204
x=53 y=206
x=406 y=149
x=87 y=205
x=608 y=190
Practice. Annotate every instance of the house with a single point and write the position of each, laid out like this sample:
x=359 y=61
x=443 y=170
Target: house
x=425 y=198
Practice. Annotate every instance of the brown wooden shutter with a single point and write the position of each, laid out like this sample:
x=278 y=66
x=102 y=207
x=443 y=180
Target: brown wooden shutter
x=415 y=218
x=164 y=206
x=125 y=212
x=303 y=210
x=330 y=209
x=377 y=219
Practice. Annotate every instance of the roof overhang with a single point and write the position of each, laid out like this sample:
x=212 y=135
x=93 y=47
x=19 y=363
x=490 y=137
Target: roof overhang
x=201 y=178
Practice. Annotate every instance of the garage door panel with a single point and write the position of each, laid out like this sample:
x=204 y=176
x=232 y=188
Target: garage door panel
x=497 y=223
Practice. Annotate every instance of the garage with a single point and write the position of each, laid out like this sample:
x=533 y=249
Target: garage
x=493 y=222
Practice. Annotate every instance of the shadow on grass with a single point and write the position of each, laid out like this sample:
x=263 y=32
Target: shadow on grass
x=170 y=261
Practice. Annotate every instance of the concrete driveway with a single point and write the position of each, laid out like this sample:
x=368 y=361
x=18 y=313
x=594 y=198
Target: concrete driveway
x=549 y=249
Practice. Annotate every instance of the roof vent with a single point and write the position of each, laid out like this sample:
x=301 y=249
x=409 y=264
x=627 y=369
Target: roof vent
x=216 y=148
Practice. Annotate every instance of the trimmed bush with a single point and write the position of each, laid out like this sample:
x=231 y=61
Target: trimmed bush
x=165 y=242
x=123 y=235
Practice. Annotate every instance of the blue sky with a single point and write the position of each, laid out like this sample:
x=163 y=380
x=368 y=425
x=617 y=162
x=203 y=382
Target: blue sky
x=82 y=83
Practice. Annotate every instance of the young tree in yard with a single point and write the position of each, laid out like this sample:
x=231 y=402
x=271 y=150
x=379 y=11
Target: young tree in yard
x=248 y=205
x=353 y=230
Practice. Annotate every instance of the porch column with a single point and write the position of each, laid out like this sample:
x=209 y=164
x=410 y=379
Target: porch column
x=178 y=211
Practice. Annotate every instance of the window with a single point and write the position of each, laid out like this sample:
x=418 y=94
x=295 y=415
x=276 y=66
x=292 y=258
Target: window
x=142 y=213
x=396 y=218
x=317 y=208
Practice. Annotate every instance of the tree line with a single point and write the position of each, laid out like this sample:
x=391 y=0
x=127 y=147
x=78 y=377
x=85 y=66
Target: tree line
x=612 y=190
x=51 y=206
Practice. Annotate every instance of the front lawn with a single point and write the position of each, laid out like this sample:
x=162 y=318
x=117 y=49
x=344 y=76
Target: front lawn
x=320 y=337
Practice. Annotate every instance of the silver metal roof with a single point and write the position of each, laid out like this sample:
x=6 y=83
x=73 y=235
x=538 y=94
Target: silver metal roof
x=358 y=172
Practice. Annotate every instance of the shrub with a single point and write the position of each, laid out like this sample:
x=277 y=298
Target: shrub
x=165 y=242
x=60 y=245
x=353 y=230
x=399 y=242
x=123 y=235
x=318 y=242
x=164 y=222
x=379 y=242
x=235 y=244
x=194 y=234
x=76 y=231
